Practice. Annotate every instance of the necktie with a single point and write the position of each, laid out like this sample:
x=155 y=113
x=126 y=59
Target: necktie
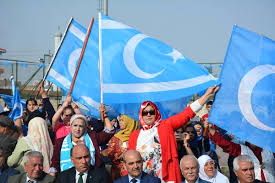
x=80 y=180
x=133 y=181
x=30 y=181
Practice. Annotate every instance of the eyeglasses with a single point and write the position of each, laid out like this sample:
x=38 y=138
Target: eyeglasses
x=151 y=112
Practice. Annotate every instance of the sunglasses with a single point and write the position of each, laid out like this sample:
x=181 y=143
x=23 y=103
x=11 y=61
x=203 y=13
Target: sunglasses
x=151 y=112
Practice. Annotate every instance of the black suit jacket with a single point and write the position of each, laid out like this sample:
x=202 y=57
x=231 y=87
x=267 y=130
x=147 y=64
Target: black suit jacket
x=145 y=178
x=95 y=175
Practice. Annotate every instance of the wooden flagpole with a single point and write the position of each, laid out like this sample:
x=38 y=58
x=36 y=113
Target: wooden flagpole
x=81 y=56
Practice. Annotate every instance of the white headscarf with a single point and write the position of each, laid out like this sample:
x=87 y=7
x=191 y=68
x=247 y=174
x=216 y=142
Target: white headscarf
x=218 y=177
x=38 y=139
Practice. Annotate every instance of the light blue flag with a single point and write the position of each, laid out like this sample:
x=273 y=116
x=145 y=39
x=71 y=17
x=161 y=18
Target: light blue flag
x=65 y=63
x=17 y=107
x=66 y=59
x=114 y=70
x=137 y=67
x=245 y=103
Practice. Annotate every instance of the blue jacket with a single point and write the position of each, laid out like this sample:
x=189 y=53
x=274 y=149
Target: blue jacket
x=6 y=172
x=145 y=178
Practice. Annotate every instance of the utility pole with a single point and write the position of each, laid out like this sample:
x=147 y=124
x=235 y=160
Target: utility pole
x=106 y=7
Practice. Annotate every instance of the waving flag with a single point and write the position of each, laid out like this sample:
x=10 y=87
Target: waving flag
x=17 y=107
x=119 y=83
x=136 y=67
x=65 y=62
x=245 y=103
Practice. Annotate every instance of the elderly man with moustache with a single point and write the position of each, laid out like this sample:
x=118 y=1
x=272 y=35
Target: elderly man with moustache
x=82 y=171
x=244 y=169
x=133 y=164
x=189 y=166
x=34 y=170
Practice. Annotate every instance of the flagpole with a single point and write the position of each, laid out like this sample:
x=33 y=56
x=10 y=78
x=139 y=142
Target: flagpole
x=81 y=56
x=100 y=56
x=100 y=62
x=50 y=66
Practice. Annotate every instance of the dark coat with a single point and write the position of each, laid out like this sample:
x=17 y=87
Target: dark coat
x=6 y=172
x=145 y=178
x=95 y=175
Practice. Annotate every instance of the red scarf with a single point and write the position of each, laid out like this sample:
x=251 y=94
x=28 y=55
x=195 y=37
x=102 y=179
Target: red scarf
x=157 y=115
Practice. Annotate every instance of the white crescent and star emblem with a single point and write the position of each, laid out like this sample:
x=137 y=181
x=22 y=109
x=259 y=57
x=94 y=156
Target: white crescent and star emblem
x=246 y=87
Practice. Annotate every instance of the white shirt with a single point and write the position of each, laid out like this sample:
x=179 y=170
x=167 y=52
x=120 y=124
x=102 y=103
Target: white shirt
x=197 y=181
x=84 y=176
x=27 y=179
x=137 y=178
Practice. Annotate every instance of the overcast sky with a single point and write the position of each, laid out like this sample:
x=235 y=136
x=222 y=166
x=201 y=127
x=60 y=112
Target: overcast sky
x=200 y=29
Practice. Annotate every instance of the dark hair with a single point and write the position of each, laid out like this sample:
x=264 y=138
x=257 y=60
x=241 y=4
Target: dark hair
x=29 y=100
x=68 y=107
x=209 y=102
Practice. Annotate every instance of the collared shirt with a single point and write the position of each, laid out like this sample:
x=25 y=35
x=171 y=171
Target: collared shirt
x=137 y=178
x=197 y=181
x=84 y=176
x=27 y=180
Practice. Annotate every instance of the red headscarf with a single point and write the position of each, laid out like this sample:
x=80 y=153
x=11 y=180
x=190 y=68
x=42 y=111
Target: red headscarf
x=157 y=115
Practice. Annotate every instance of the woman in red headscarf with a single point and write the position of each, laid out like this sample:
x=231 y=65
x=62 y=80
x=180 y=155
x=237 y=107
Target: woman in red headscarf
x=156 y=141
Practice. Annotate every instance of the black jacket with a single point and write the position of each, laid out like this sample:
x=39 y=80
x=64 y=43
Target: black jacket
x=95 y=175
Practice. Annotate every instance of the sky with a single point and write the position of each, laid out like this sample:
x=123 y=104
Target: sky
x=199 y=29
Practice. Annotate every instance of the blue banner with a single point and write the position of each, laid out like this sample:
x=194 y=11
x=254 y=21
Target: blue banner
x=137 y=67
x=17 y=107
x=245 y=103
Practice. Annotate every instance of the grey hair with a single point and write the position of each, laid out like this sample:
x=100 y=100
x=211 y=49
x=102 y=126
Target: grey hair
x=189 y=157
x=239 y=158
x=32 y=154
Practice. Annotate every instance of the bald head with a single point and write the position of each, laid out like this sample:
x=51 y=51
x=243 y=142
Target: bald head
x=133 y=162
x=80 y=157
x=130 y=153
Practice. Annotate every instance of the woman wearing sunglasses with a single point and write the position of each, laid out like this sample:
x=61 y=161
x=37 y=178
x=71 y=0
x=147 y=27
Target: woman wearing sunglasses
x=156 y=141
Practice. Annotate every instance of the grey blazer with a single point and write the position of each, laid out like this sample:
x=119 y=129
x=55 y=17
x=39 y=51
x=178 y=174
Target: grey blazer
x=21 y=178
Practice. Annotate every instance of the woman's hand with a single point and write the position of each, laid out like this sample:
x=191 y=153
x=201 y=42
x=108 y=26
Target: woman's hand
x=209 y=93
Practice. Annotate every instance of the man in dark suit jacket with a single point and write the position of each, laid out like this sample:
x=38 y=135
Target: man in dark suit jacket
x=133 y=164
x=5 y=171
x=34 y=170
x=82 y=170
x=244 y=169
x=189 y=166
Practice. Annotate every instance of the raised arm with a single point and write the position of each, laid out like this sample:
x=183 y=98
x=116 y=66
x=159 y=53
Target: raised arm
x=227 y=146
x=182 y=118
x=46 y=103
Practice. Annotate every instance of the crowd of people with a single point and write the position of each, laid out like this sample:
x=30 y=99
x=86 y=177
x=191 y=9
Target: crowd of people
x=45 y=145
